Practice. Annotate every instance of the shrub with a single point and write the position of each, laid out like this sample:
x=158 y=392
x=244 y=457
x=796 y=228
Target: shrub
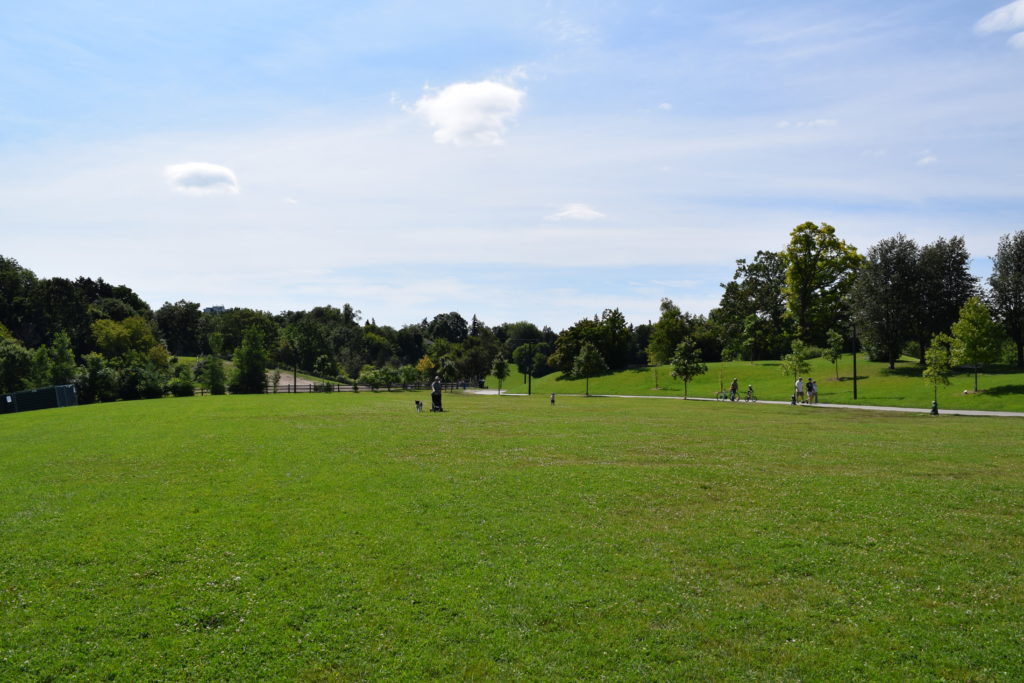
x=181 y=386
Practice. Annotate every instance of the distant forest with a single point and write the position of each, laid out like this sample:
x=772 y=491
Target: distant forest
x=898 y=298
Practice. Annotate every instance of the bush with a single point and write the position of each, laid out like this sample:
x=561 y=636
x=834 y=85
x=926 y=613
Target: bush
x=181 y=386
x=139 y=381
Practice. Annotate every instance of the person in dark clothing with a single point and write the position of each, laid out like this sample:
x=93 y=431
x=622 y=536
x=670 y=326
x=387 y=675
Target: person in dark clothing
x=435 y=395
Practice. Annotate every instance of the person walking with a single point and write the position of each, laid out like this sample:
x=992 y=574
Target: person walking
x=812 y=391
x=798 y=390
x=734 y=389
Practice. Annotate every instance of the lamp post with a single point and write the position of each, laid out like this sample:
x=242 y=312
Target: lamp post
x=853 y=327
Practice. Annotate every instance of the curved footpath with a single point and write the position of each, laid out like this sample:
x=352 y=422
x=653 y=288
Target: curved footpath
x=891 y=409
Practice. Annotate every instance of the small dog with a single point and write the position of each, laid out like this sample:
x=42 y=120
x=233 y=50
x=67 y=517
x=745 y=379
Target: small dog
x=419 y=406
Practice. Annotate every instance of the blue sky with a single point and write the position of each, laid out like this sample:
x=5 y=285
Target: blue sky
x=530 y=160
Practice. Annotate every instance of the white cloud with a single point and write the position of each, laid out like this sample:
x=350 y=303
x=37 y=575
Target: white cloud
x=1006 y=18
x=576 y=212
x=200 y=178
x=1017 y=41
x=927 y=160
x=665 y=106
x=471 y=113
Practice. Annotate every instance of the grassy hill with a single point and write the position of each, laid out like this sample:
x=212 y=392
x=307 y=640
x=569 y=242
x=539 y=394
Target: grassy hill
x=1001 y=388
x=344 y=536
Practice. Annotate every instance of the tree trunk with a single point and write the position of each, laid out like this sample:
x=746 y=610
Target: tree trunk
x=975 y=379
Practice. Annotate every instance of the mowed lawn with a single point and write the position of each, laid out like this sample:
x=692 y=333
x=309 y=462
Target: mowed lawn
x=344 y=536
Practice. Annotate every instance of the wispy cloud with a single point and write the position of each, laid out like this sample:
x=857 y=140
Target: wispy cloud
x=201 y=178
x=471 y=113
x=1006 y=18
x=928 y=160
x=576 y=212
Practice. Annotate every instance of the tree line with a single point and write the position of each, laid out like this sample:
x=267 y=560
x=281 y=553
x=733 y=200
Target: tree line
x=812 y=297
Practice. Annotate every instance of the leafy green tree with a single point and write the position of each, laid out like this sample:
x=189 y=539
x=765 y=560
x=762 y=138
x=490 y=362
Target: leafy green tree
x=944 y=284
x=499 y=368
x=15 y=366
x=16 y=287
x=325 y=369
x=757 y=289
x=666 y=334
x=589 y=363
x=62 y=359
x=1007 y=288
x=42 y=367
x=523 y=358
x=796 y=362
x=210 y=371
x=977 y=339
x=938 y=363
x=885 y=295
x=687 y=362
x=408 y=375
x=95 y=380
x=820 y=271
x=250 y=374
x=179 y=326
x=833 y=351
x=389 y=377
x=450 y=326
x=371 y=377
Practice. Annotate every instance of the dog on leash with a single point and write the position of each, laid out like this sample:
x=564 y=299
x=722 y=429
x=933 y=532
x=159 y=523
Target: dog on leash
x=419 y=406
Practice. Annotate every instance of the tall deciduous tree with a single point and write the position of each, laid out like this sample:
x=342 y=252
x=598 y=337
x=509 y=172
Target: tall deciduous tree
x=670 y=329
x=15 y=365
x=834 y=349
x=795 y=363
x=179 y=326
x=820 y=271
x=1007 y=286
x=250 y=359
x=944 y=284
x=938 y=363
x=499 y=368
x=589 y=363
x=976 y=337
x=885 y=295
x=752 y=310
x=687 y=362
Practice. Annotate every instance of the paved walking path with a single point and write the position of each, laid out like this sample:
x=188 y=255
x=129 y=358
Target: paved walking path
x=891 y=409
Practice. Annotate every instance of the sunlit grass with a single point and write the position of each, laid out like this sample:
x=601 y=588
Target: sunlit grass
x=1001 y=388
x=339 y=536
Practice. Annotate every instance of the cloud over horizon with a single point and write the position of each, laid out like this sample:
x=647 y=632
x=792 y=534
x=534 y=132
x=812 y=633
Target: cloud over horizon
x=576 y=212
x=201 y=178
x=467 y=114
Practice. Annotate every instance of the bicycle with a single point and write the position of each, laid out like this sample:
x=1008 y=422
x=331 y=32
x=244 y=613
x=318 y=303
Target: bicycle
x=722 y=396
x=750 y=397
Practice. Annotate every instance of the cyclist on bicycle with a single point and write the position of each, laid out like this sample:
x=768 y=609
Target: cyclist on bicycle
x=734 y=389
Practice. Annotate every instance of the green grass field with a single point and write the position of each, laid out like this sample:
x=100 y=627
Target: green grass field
x=1001 y=388
x=344 y=536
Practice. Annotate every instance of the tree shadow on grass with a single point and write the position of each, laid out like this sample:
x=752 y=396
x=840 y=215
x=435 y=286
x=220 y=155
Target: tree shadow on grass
x=1004 y=390
x=904 y=369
